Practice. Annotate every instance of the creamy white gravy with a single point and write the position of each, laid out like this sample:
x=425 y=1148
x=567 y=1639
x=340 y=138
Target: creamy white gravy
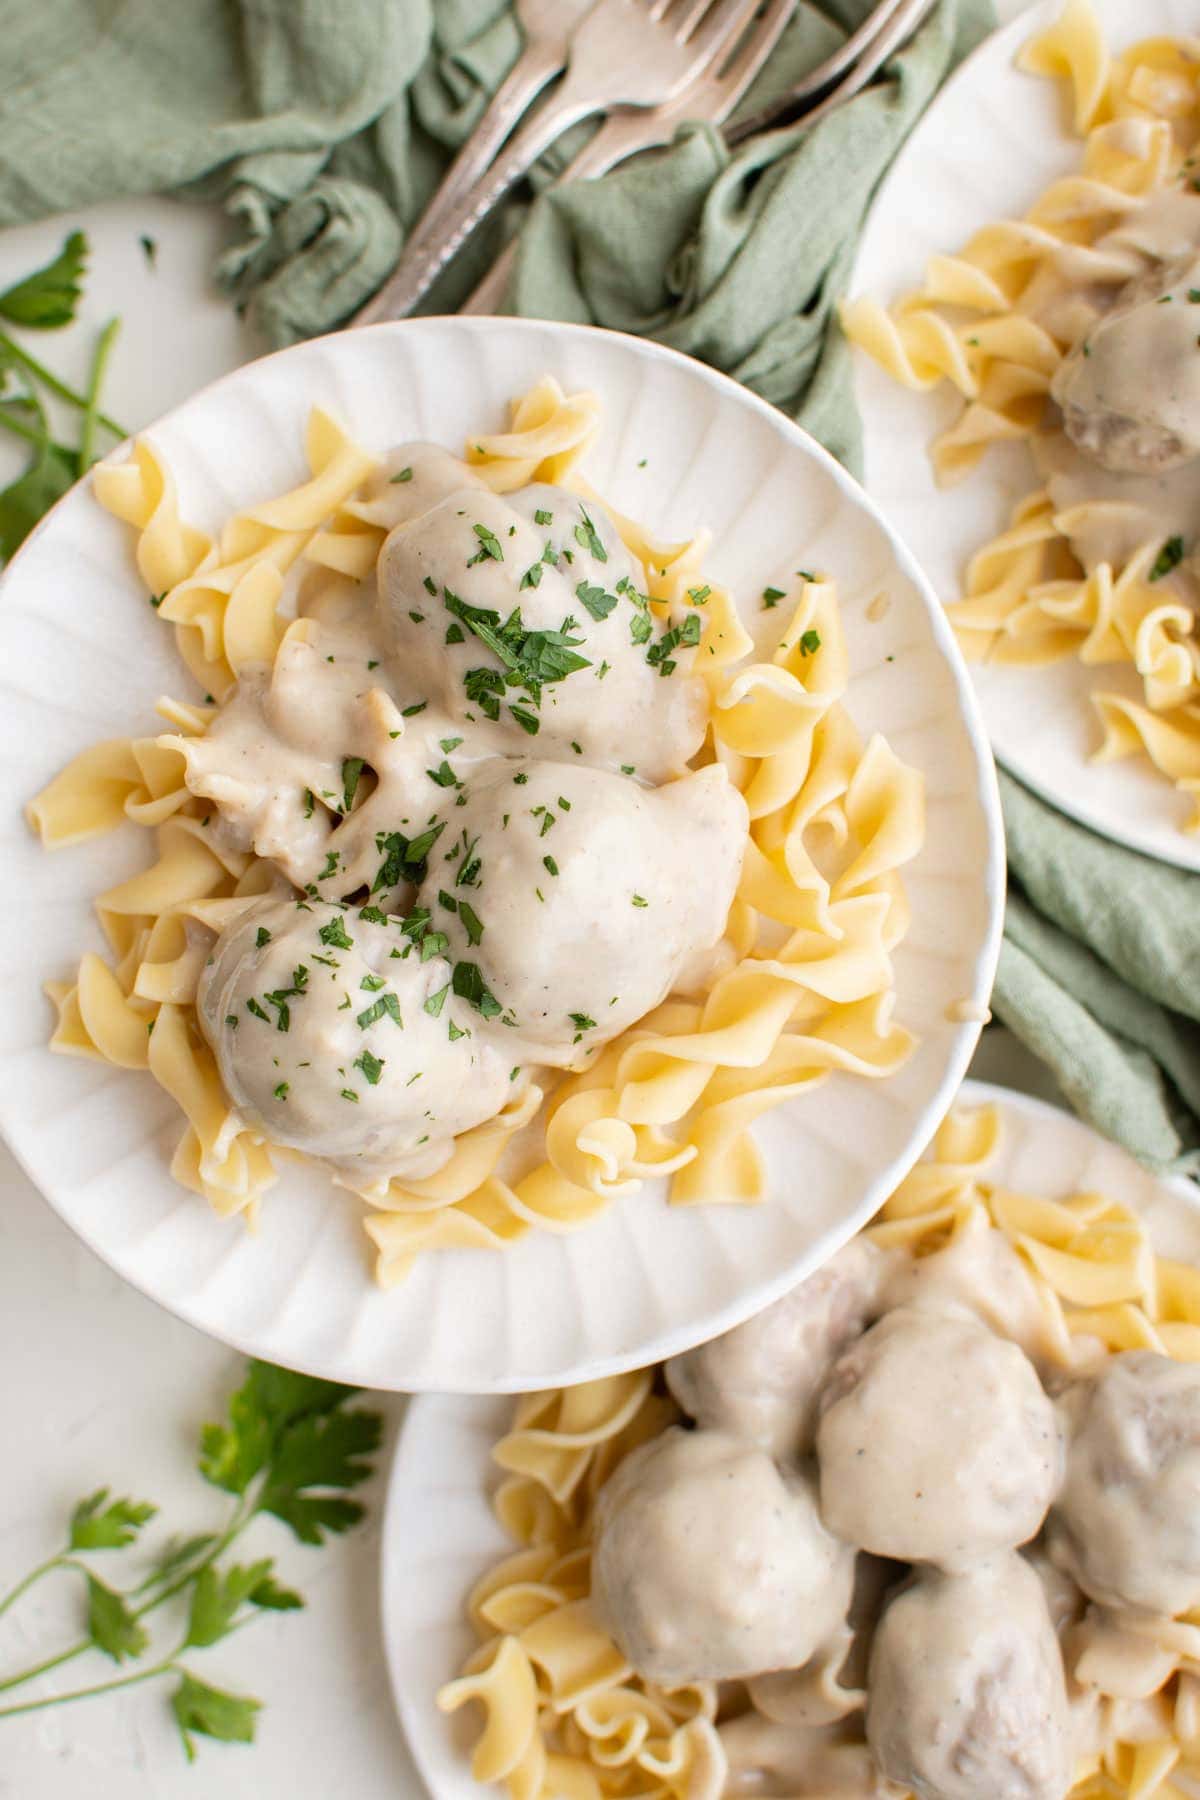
x=1034 y=1507
x=479 y=762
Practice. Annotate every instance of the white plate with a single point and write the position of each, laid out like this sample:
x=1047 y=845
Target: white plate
x=439 y=1535
x=990 y=143
x=84 y=658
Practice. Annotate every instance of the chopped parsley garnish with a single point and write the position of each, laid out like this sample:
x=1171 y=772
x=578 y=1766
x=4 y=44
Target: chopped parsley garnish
x=352 y=768
x=449 y=744
x=489 y=545
x=541 y=517
x=469 y=867
x=659 y=654
x=587 y=536
x=483 y=689
x=262 y=937
x=252 y=1006
x=471 y=922
x=371 y=1066
x=281 y=1092
x=387 y=1006
x=444 y=775
x=520 y=779
x=409 y=712
x=470 y=986
x=403 y=858
x=581 y=1022
x=309 y=803
x=404 y=475
x=549 y=864
x=372 y=914
x=455 y=635
x=457 y=1031
x=1168 y=558
x=435 y=1002
x=529 y=722
x=372 y=983
x=639 y=901
x=334 y=933
x=332 y=858
x=532 y=577
x=698 y=595
x=594 y=598
x=349 y=1094
x=771 y=596
x=433 y=943
x=232 y=1020
x=810 y=642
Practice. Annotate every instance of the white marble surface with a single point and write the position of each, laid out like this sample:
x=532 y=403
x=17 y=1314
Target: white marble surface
x=97 y=1386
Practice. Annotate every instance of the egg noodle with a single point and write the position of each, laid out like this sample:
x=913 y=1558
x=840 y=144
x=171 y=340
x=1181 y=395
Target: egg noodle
x=979 y=323
x=565 y=1713
x=819 y=910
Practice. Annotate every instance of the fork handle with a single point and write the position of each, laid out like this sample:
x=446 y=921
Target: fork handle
x=508 y=105
x=423 y=261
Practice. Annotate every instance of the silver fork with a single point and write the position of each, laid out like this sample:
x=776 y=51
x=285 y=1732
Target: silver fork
x=546 y=28
x=626 y=53
x=712 y=96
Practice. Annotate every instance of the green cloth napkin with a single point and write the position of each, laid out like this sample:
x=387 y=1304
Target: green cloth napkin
x=1100 y=977
x=322 y=126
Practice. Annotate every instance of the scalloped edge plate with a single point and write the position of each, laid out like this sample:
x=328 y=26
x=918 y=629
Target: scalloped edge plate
x=989 y=144
x=83 y=658
x=439 y=1535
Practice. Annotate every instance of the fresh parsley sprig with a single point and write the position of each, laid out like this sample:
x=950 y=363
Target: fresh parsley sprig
x=44 y=301
x=291 y=1447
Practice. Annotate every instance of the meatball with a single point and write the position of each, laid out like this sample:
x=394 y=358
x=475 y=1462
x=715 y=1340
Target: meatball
x=580 y=894
x=966 y=1696
x=538 y=623
x=1126 y=1526
x=936 y=1442
x=978 y=1274
x=1130 y=389
x=762 y=1379
x=710 y=1562
x=332 y=1040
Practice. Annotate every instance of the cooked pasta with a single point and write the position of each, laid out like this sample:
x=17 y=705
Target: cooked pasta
x=276 y=804
x=1070 y=330
x=1074 y=1280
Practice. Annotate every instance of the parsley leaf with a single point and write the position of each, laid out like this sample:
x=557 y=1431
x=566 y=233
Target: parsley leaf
x=587 y=536
x=597 y=602
x=1168 y=558
x=210 y=1712
x=96 y=1525
x=47 y=299
x=469 y=985
x=352 y=768
x=111 y=1624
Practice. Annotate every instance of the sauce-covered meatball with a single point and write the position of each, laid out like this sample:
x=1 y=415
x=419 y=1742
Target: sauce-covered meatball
x=1130 y=389
x=967 y=1698
x=529 y=612
x=936 y=1442
x=581 y=894
x=332 y=1040
x=711 y=1562
x=1127 y=1523
x=762 y=1379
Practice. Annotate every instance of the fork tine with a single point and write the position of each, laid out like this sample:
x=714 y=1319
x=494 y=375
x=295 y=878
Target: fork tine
x=740 y=72
x=682 y=16
x=721 y=25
